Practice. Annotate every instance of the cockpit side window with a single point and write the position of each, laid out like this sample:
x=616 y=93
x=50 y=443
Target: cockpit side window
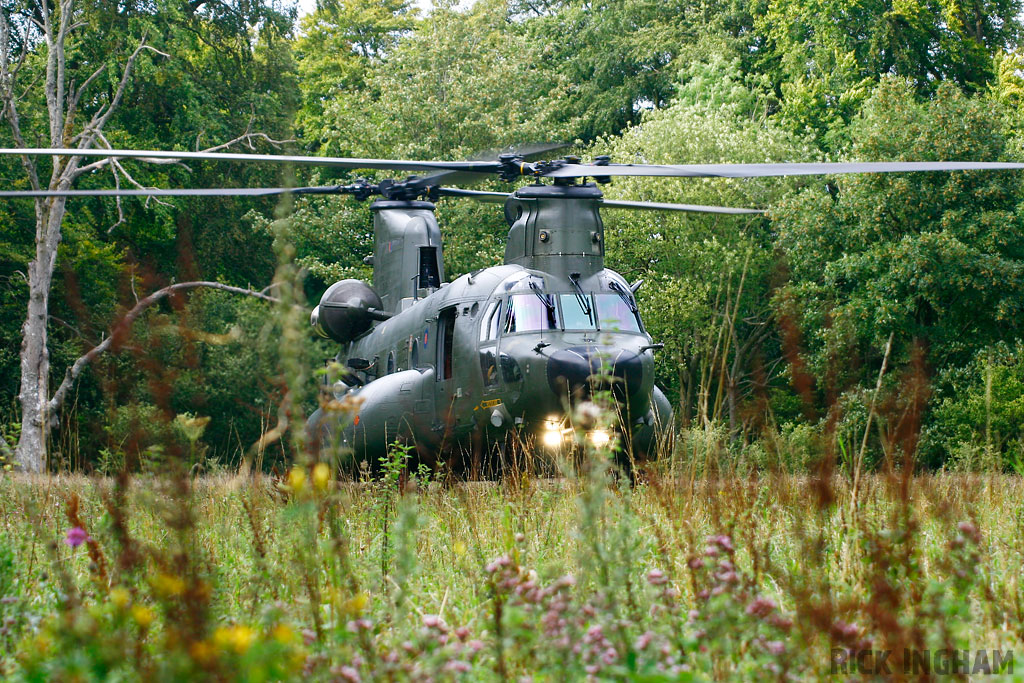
x=490 y=322
x=530 y=313
x=614 y=314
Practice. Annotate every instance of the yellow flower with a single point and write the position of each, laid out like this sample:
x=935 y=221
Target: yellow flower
x=284 y=634
x=202 y=651
x=142 y=615
x=120 y=597
x=356 y=604
x=321 y=477
x=235 y=638
x=168 y=585
x=297 y=479
x=460 y=548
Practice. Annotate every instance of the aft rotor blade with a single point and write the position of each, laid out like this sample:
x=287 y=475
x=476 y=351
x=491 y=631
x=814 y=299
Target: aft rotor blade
x=336 y=162
x=178 y=192
x=656 y=206
x=769 y=170
x=479 y=195
x=500 y=197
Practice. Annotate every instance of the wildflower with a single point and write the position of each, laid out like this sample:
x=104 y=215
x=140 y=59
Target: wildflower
x=643 y=641
x=694 y=615
x=308 y=636
x=236 y=638
x=321 y=477
x=475 y=645
x=695 y=563
x=844 y=631
x=457 y=666
x=609 y=656
x=202 y=652
x=520 y=538
x=348 y=673
x=76 y=537
x=462 y=632
x=142 y=615
x=356 y=604
x=969 y=530
x=120 y=597
x=168 y=585
x=434 y=621
x=722 y=541
x=459 y=547
x=761 y=607
x=297 y=479
x=656 y=577
x=728 y=577
x=776 y=647
x=284 y=634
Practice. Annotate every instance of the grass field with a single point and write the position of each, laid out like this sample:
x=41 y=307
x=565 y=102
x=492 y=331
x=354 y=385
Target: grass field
x=235 y=578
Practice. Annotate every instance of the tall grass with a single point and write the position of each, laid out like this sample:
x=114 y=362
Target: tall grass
x=722 y=577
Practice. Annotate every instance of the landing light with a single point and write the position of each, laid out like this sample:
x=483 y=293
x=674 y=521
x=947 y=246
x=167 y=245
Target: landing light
x=551 y=438
x=599 y=437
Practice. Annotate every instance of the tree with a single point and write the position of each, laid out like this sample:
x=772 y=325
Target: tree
x=934 y=259
x=708 y=276
x=71 y=87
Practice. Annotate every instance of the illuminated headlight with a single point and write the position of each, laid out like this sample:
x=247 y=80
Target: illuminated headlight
x=551 y=438
x=552 y=424
x=599 y=438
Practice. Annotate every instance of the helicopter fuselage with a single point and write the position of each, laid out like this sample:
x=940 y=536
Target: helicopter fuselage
x=500 y=354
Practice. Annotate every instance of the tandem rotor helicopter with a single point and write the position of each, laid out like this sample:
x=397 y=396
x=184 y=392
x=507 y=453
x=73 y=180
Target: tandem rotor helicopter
x=502 y=354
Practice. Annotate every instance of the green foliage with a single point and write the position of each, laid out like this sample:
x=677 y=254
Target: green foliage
x=978 y=420
x=934 y=258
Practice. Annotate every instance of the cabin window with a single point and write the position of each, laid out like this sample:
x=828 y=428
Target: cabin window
x=430 y=277
x=577 y=312
x=530 y=313
x=616 y=315
x=445 y=342
x=391 y=362
x=414 y=353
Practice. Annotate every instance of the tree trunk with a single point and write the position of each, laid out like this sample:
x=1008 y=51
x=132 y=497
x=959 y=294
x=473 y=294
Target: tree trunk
x=35 y=356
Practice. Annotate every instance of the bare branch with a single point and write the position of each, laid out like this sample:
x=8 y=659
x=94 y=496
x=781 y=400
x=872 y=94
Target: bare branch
x=100 y=118
x=77 y=96
x=123 y=328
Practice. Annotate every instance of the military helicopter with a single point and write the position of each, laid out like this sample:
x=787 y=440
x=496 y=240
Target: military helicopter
x=505 y=354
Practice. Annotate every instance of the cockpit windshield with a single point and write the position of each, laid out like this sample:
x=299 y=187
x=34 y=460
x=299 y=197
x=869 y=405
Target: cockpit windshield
x=615 y=314
x=530 y=313
x=577 y=312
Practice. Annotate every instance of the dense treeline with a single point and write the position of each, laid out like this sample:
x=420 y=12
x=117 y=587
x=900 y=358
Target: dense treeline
x=777 y=329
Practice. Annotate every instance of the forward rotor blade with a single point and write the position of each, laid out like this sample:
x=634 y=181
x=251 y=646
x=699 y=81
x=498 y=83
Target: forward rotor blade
x=771 y=170
x=500 y=197
x=179 y=192
x=693 y=208
x=479 y=195
x=336 y=162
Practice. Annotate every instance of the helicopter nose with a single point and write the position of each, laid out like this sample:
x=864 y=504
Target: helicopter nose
x=579 y=370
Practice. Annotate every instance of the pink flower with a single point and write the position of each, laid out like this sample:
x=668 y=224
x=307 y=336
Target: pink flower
x=347 y=673
x=776 y=647
x=76 y=537
x=643 y=641
x=457 y=666
x=475 y=645
x=656 y=577
x=761 y=607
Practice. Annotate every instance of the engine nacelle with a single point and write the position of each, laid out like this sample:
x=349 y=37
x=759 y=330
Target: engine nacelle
x=347 y=309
